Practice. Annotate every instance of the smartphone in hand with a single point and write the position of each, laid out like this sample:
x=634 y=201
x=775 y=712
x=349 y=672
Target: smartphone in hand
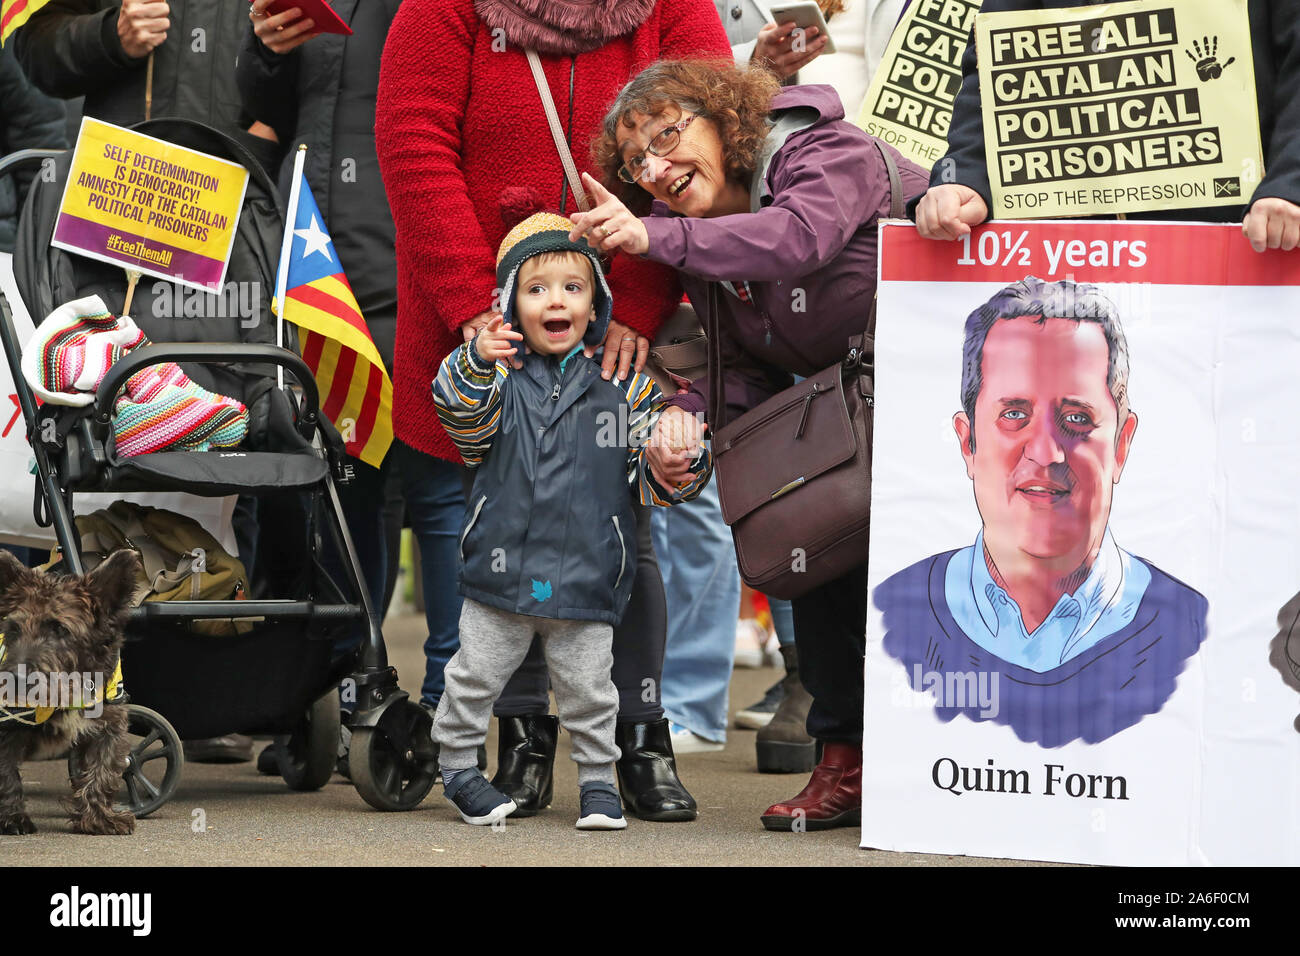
x=804 y=14
x=320 y=12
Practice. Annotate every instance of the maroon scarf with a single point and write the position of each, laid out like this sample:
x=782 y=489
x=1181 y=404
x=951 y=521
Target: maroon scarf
x=563 y=26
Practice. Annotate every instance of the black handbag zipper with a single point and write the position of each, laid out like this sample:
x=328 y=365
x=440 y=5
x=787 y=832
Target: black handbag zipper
x=807 y=407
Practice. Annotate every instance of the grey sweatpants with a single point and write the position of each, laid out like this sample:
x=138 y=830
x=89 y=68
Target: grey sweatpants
x=579 y=656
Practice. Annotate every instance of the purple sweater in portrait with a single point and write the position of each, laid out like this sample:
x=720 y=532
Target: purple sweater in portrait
x=1092 y=696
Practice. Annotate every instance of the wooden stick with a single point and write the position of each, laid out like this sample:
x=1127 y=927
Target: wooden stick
x=132 y=277
x=148 y=100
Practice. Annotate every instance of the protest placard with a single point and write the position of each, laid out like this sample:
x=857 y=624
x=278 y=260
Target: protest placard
x=150 y=206
x=909 y=104
x=1083 y=637
x=1119 y=107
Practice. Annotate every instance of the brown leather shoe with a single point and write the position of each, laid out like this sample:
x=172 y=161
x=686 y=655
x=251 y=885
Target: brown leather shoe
x=833 y=797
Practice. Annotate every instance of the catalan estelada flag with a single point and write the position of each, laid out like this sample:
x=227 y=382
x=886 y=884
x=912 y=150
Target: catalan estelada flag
x=14 y=13
x=356 y=392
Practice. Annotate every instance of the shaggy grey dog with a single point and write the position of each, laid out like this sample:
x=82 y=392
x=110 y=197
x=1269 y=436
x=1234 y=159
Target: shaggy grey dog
x=61 y=636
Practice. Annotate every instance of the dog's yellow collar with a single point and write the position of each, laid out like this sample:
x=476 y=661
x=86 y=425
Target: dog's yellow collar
x=40 y=715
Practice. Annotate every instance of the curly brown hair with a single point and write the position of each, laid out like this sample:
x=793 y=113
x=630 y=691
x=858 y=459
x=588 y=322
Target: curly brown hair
x=736 y=100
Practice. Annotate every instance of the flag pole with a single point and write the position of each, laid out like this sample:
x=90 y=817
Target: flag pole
x=286 y=248
x=132 y=277
x=148 y=88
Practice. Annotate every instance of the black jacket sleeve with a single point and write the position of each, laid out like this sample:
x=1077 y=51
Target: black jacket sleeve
x=70 y=48
x=268 y=85
x=1282 y=142
x=28 y=120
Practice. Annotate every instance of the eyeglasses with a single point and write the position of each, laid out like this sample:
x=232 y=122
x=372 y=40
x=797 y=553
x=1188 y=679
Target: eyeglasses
x=663 y=143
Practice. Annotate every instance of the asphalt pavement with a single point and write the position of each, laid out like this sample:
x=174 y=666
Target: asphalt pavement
x=232 y=815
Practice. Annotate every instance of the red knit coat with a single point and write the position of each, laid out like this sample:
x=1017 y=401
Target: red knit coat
x=458 y=122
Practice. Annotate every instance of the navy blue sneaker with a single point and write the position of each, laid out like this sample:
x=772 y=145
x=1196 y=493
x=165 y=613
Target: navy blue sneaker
x=601 y=809
x=478 y=801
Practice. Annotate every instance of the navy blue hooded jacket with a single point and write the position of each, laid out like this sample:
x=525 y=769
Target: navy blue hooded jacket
x=559 y=454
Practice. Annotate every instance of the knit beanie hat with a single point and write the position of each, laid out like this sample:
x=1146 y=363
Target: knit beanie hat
x=69 y=354
x=160 y=407
x=549 y=232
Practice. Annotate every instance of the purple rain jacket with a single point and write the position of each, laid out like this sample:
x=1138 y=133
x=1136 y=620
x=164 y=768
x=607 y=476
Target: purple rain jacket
x=809 y=254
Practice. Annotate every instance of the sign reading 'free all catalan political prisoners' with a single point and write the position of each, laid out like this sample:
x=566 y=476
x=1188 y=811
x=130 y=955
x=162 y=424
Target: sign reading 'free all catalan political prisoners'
x=909 y=104
x=150 y=205
x=1120 y=107
x=1083 y=637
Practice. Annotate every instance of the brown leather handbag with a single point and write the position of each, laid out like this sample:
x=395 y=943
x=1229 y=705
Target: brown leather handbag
x=680 y=352
x=794 y=474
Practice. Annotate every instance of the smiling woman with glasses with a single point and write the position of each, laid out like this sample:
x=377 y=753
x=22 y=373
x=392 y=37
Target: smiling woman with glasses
x=663 y=143
x=769 y=196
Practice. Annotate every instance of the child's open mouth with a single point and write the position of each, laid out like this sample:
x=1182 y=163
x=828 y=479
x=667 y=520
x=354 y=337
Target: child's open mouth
x=557 y=328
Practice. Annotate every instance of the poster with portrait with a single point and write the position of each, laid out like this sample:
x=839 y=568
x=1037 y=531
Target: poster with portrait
x=1083 y=637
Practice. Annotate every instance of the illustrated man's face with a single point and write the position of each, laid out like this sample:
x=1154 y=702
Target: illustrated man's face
x=1048 y=445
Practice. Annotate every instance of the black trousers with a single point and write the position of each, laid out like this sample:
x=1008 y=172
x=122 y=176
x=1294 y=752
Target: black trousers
x=830 y=635
x=639 y=642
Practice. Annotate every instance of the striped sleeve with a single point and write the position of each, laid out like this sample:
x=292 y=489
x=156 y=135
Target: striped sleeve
x=647 y=403
x=467 y=395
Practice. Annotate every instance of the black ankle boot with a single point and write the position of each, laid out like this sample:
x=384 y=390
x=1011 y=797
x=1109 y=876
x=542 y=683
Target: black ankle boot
x=647 y=773
x=526 y=761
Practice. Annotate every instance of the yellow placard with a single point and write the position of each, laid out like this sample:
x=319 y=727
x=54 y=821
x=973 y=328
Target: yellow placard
x=150 y=205
x=909 y=104
x=1120 y=107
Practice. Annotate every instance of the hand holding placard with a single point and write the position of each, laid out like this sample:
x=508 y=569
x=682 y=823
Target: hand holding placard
x=142 y=26
x=1272 y=223
x=949 y=210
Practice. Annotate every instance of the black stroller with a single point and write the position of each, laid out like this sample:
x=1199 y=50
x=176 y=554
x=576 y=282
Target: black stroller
x=281 y=676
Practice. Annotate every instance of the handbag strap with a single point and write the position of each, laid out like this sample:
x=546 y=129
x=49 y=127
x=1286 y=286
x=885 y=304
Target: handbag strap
x=717 y=389
x=557 y=132
x=860 y=345
x=896 y=211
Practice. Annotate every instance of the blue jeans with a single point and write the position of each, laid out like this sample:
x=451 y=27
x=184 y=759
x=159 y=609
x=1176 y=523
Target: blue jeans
x=782 y=620
x=698 y=563
x=435 y=505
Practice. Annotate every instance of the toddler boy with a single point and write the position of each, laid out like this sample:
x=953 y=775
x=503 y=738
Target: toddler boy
x=549 y=541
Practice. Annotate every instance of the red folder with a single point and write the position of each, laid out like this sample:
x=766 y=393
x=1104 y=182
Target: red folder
x=326 y=20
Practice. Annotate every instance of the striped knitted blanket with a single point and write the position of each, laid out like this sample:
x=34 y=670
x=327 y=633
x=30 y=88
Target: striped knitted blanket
x=163 y=409
x=160 y=408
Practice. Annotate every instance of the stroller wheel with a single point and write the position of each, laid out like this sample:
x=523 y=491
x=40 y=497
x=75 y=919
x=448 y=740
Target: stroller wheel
x=153 y=764
x=394 y=763
x=308 y=757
